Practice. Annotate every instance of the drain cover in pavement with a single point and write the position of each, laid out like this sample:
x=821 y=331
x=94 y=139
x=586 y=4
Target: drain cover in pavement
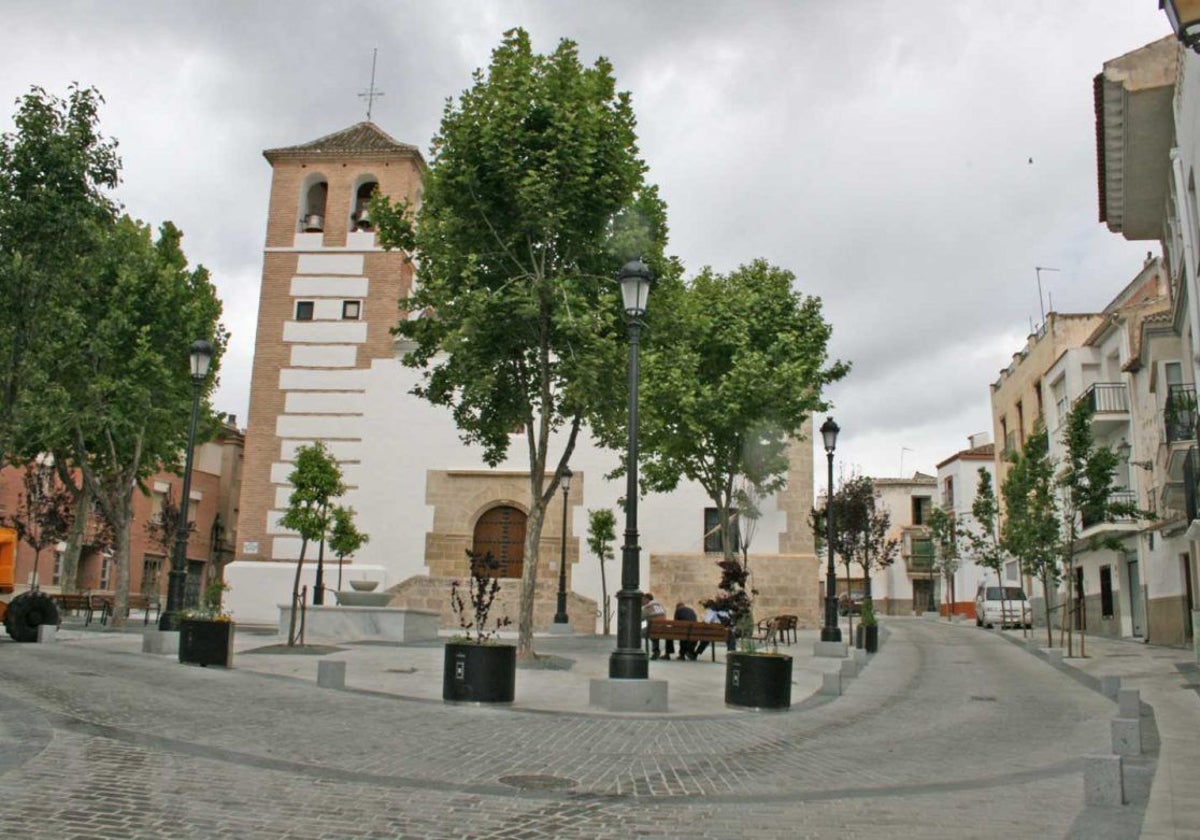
x=85 y=673
x=983 y=698
x=538 y=782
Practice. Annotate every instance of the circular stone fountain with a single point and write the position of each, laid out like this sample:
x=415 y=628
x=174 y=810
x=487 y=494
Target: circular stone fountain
x=361 y=594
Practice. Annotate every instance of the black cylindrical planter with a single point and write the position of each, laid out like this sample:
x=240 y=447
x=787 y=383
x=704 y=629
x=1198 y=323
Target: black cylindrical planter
x=758 y=681
x=206 y=642
x=858 y=637
x=871 y=638
x=479 y=673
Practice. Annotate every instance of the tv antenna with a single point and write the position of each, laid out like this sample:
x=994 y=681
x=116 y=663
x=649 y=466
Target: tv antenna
x=1039 y=269
x=370 y=94
x=903 y=449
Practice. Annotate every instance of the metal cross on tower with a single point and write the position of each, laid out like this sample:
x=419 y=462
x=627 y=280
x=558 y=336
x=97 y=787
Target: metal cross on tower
x=370 y=94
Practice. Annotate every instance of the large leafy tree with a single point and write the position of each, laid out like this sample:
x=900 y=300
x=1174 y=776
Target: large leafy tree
x=114 y=389
x=729 y=381
x=861 y=530
x=534 y=198
x=55 y=173
x=1030 y=531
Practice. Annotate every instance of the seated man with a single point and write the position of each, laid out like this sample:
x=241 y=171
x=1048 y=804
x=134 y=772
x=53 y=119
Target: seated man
x=651 y=611
x=687 y=648
x=712 y=616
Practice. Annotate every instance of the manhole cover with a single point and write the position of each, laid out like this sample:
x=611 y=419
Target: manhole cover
x=983 y=698
x=538 y=782
x=85 y=673
x=402 y=670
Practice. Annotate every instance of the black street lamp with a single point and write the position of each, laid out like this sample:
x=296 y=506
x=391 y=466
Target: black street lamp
x=202 y=353
x=830 y=632
x=1184 y=16
x=560 y=617
x=628 y=661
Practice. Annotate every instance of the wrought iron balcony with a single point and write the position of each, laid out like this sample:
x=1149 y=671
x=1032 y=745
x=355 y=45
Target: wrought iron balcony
x=1122 y=497
x=920 y=554
x=1179 y=414
x=1107 y=398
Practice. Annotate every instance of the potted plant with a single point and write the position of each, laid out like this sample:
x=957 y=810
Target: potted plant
x=477 y=667
x=206 y=632
x=755 y=677
x=869 y=626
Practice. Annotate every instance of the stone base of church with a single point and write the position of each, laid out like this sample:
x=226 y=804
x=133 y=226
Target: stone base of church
x=433 y=594
x=787 y=584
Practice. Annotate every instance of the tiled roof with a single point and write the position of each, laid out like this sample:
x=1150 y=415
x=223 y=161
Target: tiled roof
x=361 y=139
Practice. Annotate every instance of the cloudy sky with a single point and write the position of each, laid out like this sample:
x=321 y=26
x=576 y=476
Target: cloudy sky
x=911 y=162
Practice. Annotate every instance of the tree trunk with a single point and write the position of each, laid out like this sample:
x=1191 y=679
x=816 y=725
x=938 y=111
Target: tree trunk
x=296 y=594
x=533 y=537
x=70 y=559
x=604 y=614
x=121 y=534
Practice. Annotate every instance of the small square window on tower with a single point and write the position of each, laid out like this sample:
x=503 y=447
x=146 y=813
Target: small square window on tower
x=351 y=310
x=304 y=310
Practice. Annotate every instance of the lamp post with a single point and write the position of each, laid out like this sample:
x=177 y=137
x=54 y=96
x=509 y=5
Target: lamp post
x=43 y=482
x=830 y=632
x=1184 y=16
x=629 y=661
x=560 y=616
x=202 y=353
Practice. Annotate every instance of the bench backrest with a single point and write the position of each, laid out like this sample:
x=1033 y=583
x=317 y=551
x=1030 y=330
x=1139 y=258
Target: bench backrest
x=667 y=628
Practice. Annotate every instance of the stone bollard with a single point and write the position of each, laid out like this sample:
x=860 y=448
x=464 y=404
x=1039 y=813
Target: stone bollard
x=1109 y=686
x=849 y=668
x=1053 y=655
x=47 y=633
x=861 y=657
x=1129 y=703
x=1127 y=736
x=331 y=674
x=1103 y=780
x=837 y=650
x=831 y=684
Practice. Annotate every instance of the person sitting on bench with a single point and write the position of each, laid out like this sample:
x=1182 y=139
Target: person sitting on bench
x=687 y=648
x=712 y=616
x=652 y=611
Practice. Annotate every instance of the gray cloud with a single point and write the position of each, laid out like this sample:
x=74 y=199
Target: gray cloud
x=878 y=150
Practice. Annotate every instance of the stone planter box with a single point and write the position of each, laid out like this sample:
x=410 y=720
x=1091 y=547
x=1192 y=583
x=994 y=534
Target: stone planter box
x=758 y=681
x=206 y=643
x=475 y=673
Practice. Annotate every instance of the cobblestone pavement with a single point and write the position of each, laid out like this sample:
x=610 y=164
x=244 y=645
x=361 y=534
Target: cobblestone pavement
x=948 y=733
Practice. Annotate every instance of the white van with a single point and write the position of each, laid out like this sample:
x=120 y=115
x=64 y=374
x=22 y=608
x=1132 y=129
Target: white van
x=1005 y=606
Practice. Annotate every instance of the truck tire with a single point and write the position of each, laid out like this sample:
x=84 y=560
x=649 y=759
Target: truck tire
x=26 y=613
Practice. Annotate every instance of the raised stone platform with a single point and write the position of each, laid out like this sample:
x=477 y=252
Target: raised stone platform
x=392 y=624
x=615 y=695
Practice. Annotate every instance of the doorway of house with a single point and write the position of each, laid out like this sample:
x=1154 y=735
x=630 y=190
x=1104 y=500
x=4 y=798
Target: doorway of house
x=501 y=533
x=1136 y=607
x=1189 y=601
x=924 y=596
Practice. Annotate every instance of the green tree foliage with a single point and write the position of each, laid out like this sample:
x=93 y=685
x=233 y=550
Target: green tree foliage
x=55 y=173
x=316 y=482
x=534 y=198
x=1031 y=524
x=860 y=529
x=947 y=536
x=114 y=389
x=602 y=533
x=344 y=536
x=729 y=382
x=984 y=539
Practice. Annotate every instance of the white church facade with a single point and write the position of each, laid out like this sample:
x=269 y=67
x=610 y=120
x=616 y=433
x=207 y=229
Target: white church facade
x=327 y=368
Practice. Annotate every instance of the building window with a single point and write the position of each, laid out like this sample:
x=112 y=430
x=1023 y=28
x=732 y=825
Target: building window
x=105 y=570
x=712 y=531
x=920 y=509
x=304 y=310
x=151 y=567
x=351 y=310
x=1106 y=592
x=56 y=578
x=948 y=493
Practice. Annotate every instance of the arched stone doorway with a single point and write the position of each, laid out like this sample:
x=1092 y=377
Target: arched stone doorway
x=501 y=532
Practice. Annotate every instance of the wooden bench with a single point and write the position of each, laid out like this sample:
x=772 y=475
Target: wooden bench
x=76 y=603
x=779 y=629
x=145 y=603
x=102 y=604
x=687 y=631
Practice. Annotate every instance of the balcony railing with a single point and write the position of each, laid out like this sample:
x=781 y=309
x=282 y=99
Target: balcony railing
x=920 y=556
x=1179 y=413
x=1107 y=398
x=1121 y=497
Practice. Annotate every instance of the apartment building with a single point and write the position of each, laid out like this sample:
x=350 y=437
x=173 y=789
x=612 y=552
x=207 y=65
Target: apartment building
x=958 y=482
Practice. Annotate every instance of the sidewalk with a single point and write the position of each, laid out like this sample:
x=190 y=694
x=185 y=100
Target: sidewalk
x=558 y=683
x=1169 y=681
